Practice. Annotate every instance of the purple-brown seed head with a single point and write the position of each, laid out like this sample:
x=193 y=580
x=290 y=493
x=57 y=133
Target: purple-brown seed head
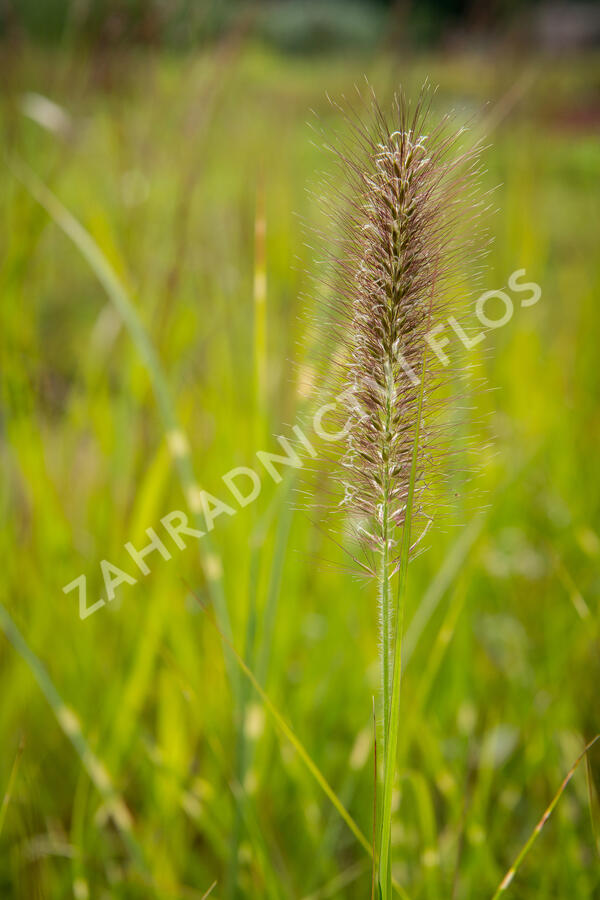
x=412 y=204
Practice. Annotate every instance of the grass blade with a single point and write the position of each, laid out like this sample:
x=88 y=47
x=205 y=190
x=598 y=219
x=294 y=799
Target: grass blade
x=176 y=438
x=11 y=781
x=507 y=880
x=243 y=751
x=295 y=742
x=441 y=582
x=301 y=751
x=71 y=727
x=594 y=804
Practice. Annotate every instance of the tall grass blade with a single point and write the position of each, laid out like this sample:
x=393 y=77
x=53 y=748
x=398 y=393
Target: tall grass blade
x=301 y=751
x=441 y=582
x=71 y=727
x=508 y=878
x=594 y=801
x=10 y=784
x=374 y=861
x=243 y=751
x=176 y=438
x=260 y=316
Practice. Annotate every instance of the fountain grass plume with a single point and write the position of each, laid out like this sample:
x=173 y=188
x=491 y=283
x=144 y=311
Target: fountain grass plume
x=408 y=220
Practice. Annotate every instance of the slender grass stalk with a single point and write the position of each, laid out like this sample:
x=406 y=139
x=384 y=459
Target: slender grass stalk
x=70 y=725
x=291 y=737
x=385 y=868
x=415 y=708
x=282 y=533
x=594 y=802
x=11 y=781
x=411 y=198
x=508 y=878
x=260 y=317
x=386 y=637
x=441 y=582
x=176 y=437
x=385 y=575
x=374 y=867
x=298 y=746
x=243 y=750
x=95 y=768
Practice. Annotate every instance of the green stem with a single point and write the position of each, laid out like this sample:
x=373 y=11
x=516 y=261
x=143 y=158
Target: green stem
x=385 y=871
x=385 y=580
x=386 y=626
x=507 y=880
x=384 y=575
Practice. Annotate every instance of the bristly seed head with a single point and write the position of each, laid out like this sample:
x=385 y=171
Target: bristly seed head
x=412 y=203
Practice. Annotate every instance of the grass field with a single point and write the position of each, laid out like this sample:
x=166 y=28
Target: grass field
x=137 y=758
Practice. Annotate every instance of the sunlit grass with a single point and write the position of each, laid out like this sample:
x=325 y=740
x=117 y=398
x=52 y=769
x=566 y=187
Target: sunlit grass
x=162 y=170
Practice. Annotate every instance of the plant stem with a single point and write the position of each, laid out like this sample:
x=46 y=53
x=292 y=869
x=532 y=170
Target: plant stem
x=391 y=746
x=384 y=576
x=534 y=834
x=386 y=627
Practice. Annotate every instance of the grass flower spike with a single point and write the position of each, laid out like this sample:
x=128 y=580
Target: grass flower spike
x=408 y=222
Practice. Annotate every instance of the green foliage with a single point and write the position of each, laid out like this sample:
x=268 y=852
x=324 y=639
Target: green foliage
x=160 y=162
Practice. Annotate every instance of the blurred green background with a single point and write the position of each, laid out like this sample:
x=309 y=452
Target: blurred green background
x=137 y=760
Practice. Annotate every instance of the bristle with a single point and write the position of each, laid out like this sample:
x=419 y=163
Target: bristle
x=411 y=204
